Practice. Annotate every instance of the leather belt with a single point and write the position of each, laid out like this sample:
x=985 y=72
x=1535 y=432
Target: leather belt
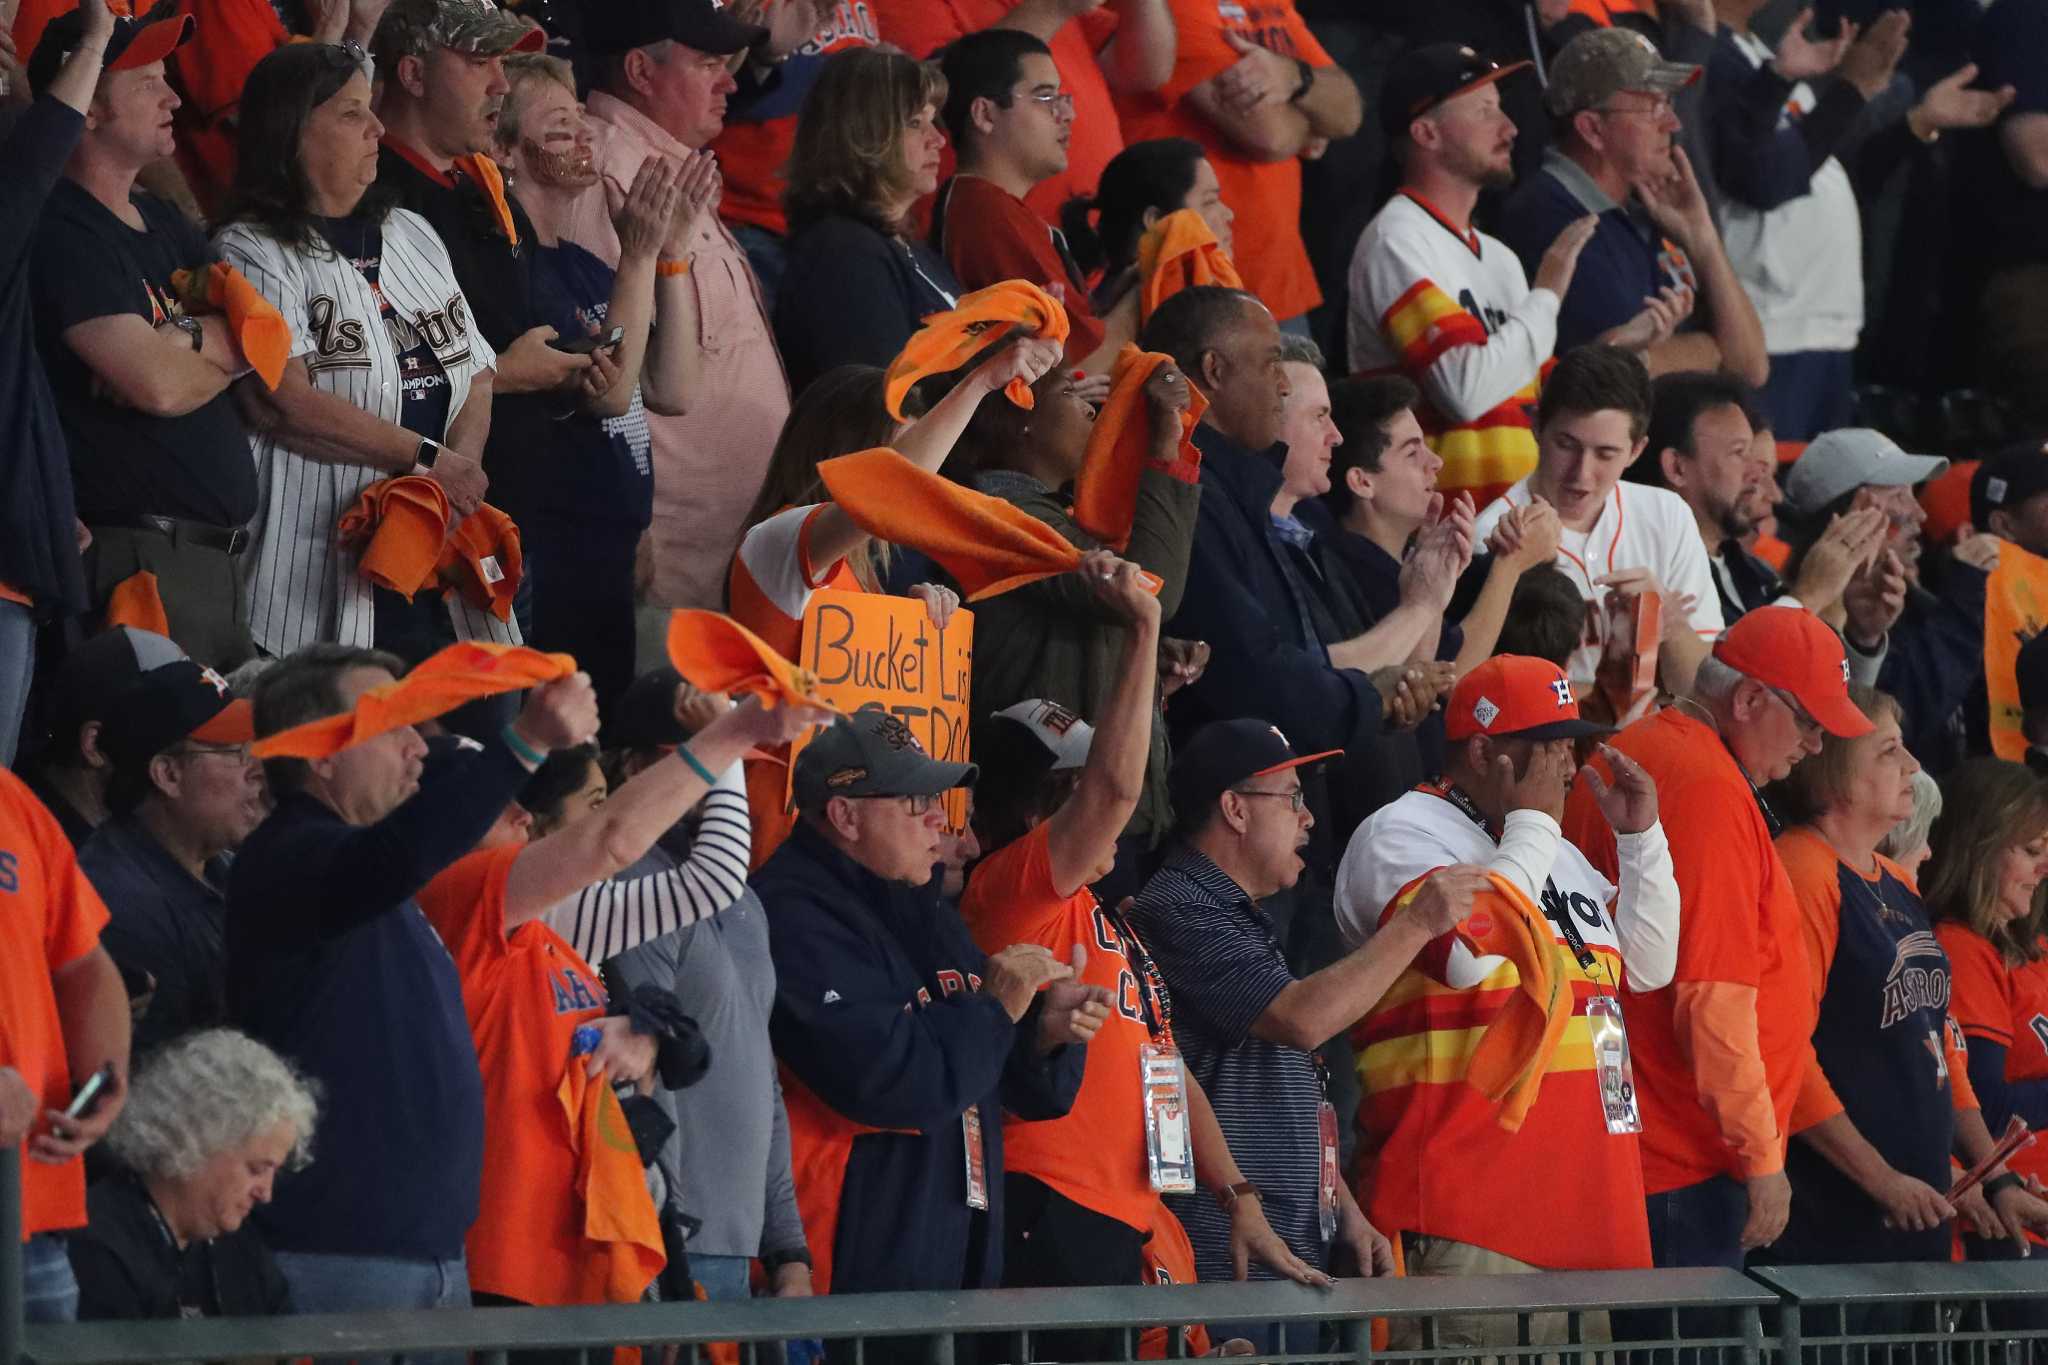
x=229 y=540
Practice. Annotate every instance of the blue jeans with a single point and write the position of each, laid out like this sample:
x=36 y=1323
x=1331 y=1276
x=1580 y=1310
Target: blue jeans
x=725 y=1278
x=50 y=1293
x=17 y=669
x=1809 y=392
x=1698 y=1225
x=322 y=1283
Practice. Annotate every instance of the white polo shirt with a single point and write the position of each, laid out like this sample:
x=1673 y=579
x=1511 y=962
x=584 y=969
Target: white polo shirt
x=1640 y=527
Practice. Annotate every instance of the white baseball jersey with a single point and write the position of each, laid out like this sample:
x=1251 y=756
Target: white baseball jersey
x=1639 y=527
x=301 y=586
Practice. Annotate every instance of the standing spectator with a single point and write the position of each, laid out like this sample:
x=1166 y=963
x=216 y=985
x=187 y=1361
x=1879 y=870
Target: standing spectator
x=1102 y=48
x=1255 y=88
x=184 y=793
x=1496 y=805
x=1443 y=303
x=1618 y=535
x=662 y=85
x=1011 y=123
x=859 y=282
x=352 y=984
x=1246 y=1026
x=1721 y=1052
x=159 y=461
x=760 y=118
x=70 y=772
x=901 y=1042
x=387 y=375
x=598 y=499
x=1614 y=156
x=214 y=1118
x=1146 y=181
x=2006 y=173
x=63 y=1017
x=40 y=572
x=1990 y=856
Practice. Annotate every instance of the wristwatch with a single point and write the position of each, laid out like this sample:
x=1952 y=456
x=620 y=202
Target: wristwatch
x=1308 y=80
x=189 y=325
x=428 y=452
x=1228 y=1195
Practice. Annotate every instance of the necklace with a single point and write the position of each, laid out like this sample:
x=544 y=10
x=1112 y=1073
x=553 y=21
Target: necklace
x=1771 y=820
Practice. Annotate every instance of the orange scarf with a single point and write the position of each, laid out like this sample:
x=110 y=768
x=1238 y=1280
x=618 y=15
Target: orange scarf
x=949 y=340
x=1106 y=494
x=1179 y=252
x=460 y=673
x=402 y=526
x=718 y=654
x=261 y=331
x=987 y=545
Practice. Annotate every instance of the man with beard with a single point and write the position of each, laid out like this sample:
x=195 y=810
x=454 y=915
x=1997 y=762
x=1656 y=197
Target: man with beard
x=184 y=793
x=1449 y=306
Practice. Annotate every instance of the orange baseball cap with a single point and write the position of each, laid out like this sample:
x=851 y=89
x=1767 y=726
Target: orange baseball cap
x=1792 y=650
x=1516 y=695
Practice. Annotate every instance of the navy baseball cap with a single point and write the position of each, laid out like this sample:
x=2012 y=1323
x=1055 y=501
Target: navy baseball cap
x=1433 y=75
x=168 y=705
x=135 y=41
x=872 y=753
x=83 y=687
x=1224 y=753
x=615 y=26
x=2008 y=479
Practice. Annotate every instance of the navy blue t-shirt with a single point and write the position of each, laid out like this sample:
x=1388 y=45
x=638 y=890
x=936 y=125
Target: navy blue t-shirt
x=600 y=470
x=422 y=379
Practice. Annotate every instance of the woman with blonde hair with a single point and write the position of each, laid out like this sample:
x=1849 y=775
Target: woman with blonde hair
x=859 y=278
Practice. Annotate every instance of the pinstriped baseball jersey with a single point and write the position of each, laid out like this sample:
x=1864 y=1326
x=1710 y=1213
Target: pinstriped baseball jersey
x=302 y=586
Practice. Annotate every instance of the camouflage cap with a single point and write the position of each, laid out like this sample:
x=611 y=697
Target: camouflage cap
x=1594 y=67
x=413 y=28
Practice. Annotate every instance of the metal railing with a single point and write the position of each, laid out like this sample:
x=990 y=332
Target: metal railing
x=1827 y=1315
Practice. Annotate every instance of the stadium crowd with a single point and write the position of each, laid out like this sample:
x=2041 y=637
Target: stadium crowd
x=1472 y=686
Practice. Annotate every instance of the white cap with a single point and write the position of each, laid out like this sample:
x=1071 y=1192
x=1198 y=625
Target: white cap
x=1057 y=728
x=1839 y=462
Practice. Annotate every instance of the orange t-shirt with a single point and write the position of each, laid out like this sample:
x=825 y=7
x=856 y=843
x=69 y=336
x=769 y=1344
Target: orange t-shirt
x=1265 y=195
x=1740 y=924
x=1994 y=1000
x=50 y=917
x=922 y=27
x=525 y=995
x=1094 y=1156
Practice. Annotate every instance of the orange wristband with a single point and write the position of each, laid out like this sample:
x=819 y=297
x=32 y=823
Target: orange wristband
x=669 y=269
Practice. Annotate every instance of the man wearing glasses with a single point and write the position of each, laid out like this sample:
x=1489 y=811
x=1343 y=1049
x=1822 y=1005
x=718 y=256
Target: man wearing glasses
x=1246 y=1025
x=183 y=794
x=1610 y=93
x=902 y=1043
x=1010 y=122
x=1720 y=1052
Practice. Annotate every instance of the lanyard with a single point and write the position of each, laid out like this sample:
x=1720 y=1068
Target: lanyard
x=1153 y=1002
x=1562 y=919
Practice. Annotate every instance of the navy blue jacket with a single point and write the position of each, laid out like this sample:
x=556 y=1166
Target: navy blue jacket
x=332 y=963
x=879 y=1012
x=1935 y=666
x=854 y=295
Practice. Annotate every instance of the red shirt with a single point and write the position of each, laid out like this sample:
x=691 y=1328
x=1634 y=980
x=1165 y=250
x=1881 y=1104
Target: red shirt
x=922 y=27
x=1265 y=195
x=990 y=235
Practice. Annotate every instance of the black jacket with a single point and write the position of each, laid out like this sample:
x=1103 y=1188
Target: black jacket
x=853 y=295
x=128 y=1267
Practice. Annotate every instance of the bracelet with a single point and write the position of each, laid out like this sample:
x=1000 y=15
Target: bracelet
x=1998 y=1184
x=696 y=766
x=521 y=750
x=671 y=269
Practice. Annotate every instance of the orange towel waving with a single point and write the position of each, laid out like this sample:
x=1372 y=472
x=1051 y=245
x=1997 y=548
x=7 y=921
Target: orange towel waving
x=1106 y=494
x=718 y=654
x=402 y=526
x=622 y=1250
x=443 y=681
x=135 y=601
x=949 y=340
x=263 y=334
x=1179 y=252
x=987 y=545
x=1509 y=1063
x=482 y=560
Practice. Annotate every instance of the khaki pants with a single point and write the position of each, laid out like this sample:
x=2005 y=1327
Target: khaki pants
x=201 y=594
x=1439 y=1256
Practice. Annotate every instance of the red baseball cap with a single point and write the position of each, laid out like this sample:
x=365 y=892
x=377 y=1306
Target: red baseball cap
x=1513 y=694
x=1791 y=649
x=137 y=40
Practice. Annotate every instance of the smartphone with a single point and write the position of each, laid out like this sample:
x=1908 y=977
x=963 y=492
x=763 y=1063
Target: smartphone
x=603 y=341
x=88 y=1096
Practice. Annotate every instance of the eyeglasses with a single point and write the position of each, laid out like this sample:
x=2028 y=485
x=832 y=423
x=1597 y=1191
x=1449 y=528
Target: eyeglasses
x=1297 y=798
x=1058 y=101
x=238 y=752
x=918 y=806
x=1808 y=726
x=1660 y=109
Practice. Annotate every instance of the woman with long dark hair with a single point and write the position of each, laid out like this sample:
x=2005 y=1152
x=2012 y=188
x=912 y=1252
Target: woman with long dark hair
x=387 y=375
x=1141 y=184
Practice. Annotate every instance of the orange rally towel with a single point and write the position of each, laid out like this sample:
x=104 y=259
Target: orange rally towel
x=136 y=602
x=949 y=340
x=402 y=526
x=1169 y=1258
x=1179 y=252
x=262 y=332
x=987 y=545
x=443 y=681
x=718 y=654
x=624 y=1250
x=483 y=561
x=485 y=172
x=1509 y=1063
x=1106 y=494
